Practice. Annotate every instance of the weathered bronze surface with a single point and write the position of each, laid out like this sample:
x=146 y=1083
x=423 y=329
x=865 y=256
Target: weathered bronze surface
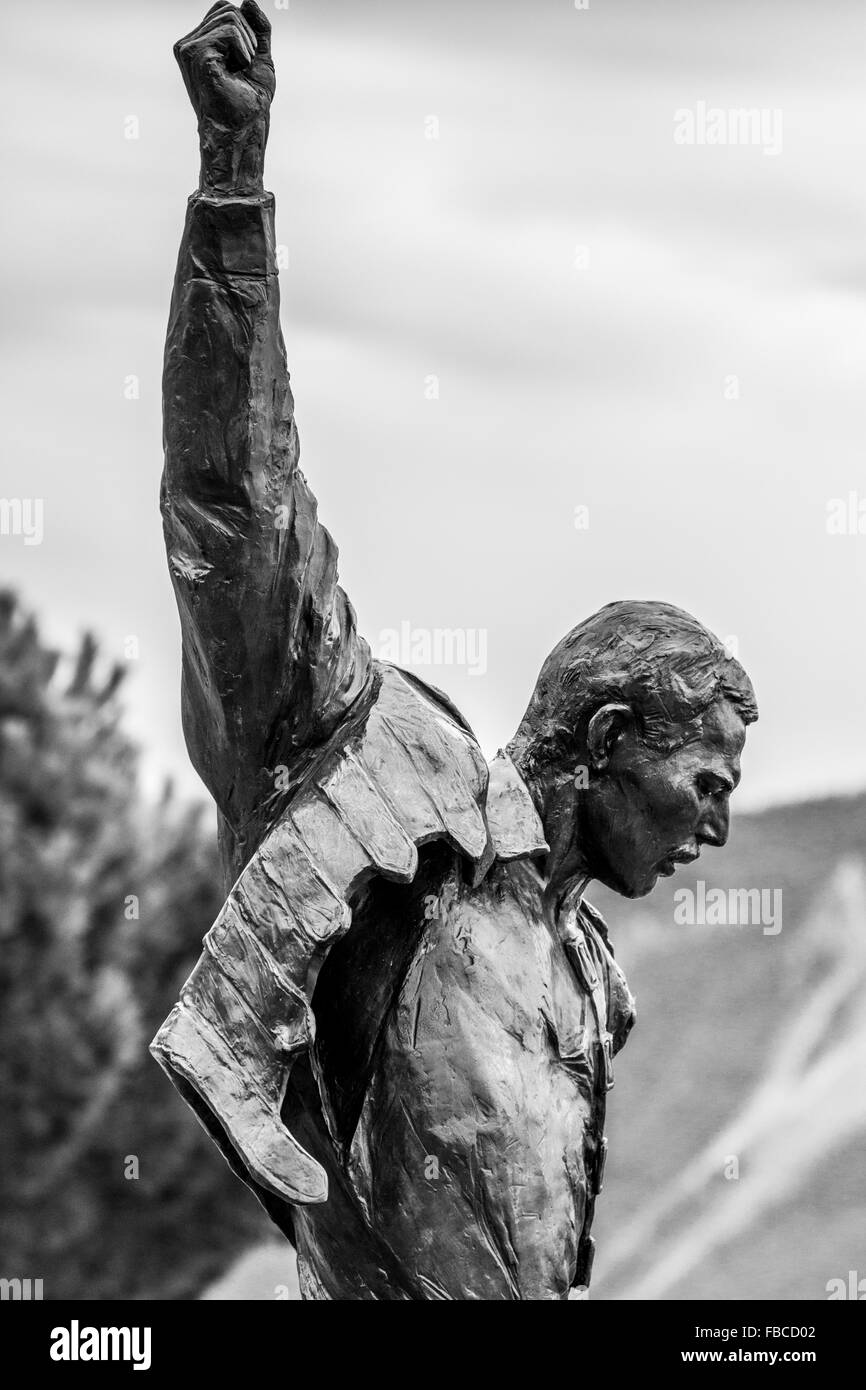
x=402 y=1026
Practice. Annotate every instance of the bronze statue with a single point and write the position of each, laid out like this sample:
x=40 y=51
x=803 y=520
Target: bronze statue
x=402 y=1027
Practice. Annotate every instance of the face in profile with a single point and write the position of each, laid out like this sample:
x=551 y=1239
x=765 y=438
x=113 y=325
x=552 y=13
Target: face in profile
x=647 y=811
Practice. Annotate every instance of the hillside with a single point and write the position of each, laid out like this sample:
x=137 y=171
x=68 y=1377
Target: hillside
x=749 y=1047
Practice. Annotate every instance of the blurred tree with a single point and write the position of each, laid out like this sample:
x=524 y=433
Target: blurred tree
x=108 y=1188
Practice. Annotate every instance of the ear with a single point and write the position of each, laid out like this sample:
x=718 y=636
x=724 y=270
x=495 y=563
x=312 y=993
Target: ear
x=605 y=729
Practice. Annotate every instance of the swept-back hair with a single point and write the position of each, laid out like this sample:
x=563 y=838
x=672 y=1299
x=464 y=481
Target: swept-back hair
x=653 y=657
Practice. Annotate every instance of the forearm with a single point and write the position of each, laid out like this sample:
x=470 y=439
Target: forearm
x=228 y=409
x=272 y=660
x=229 y=450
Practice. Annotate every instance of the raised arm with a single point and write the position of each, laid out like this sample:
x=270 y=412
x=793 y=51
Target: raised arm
x=271 y=657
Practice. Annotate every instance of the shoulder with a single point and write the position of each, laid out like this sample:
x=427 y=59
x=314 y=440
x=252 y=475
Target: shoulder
x=432 y=693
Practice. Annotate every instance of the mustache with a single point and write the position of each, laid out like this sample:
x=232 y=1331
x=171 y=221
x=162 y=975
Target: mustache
x=684 y=855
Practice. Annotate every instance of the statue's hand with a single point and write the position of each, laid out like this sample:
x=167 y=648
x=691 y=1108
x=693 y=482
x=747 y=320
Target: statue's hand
x=229 y=74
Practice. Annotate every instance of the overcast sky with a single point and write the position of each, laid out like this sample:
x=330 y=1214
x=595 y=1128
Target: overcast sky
x=584 y=288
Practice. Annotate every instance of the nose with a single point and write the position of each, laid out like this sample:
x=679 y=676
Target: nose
x=714 y=826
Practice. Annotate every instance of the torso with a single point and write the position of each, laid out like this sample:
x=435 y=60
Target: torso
x=465 y=1091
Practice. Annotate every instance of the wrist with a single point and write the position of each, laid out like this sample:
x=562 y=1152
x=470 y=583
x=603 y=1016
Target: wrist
x=232 y=161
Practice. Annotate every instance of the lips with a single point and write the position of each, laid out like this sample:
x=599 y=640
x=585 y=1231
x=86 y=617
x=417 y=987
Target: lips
x=671 y=862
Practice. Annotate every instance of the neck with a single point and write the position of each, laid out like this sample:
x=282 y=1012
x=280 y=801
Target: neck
x=565 y=870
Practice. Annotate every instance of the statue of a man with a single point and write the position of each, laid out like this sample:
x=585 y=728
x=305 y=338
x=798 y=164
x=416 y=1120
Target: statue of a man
x=402 y=1027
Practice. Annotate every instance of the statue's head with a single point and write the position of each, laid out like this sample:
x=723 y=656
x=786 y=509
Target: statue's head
x=631 y=744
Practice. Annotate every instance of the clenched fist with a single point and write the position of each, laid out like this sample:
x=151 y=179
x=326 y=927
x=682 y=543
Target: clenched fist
x=229 y=74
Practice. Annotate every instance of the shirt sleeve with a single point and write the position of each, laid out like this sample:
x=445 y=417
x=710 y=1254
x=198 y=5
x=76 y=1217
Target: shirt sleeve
x=272 y=660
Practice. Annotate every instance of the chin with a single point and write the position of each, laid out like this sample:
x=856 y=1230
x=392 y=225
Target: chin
x=627 y=887
x=642 y=890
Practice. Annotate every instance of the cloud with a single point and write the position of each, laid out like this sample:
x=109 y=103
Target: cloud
x=600 y=384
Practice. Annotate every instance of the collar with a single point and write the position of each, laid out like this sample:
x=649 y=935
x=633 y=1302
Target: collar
x=515 y=826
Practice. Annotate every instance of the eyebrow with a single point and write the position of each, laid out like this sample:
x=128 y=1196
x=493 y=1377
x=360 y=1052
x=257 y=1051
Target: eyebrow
x=729 y=783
